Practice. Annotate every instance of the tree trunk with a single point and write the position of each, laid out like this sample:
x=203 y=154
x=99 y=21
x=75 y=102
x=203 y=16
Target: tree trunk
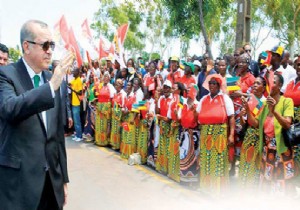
x=203 y=29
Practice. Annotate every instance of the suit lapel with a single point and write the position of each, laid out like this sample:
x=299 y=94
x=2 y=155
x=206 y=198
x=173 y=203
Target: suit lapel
x=26 y=81
x=24 y=77
x=46 y=79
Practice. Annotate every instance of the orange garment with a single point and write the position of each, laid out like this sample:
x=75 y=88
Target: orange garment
x=187 y=117
x=213 y=111
x=164 y=106
x=293 y=91
x=269 y=128
x=149 y=82
x=176 y=75
x=117 y=99
x=129 y=101
x=174 y=106
x=246 y=82
x=187 y=82
x=104 y=94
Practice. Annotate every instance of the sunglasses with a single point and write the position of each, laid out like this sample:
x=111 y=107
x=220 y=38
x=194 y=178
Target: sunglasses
x=212 y=83
x=247 y=50
x=236 y=55
x=46 y=45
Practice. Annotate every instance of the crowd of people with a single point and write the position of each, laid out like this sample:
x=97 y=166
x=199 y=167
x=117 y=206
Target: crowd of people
x=184 y=120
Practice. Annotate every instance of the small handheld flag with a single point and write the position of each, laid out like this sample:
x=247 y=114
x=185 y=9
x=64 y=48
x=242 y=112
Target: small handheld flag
x=232 y=84
x=255 y=105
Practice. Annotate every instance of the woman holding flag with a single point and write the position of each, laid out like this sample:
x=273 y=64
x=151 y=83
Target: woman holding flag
x=127 y=143
x=245 y=83
x=104 y=92
x=131 y=119
x=278 y=168
x=146 y=117
x=118 y=103
x=249 y=159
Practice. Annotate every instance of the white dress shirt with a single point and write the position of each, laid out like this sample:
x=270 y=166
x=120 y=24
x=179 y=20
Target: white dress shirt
x=32 y=74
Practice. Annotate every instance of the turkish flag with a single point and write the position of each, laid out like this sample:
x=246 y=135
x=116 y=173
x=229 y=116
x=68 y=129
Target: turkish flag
x=122 y=32
x=62 y=30
x=74 y=47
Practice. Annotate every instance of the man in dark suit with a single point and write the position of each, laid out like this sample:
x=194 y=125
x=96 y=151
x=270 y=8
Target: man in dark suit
x=33 y=161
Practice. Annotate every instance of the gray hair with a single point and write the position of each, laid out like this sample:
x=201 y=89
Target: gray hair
x=27 y=32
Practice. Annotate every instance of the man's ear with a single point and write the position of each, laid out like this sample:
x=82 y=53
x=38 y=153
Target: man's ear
x=25 y=46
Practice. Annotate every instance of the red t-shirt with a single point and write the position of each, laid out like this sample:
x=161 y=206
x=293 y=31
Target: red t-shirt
x=246 y=82
x=187 y=82
x=293 y=91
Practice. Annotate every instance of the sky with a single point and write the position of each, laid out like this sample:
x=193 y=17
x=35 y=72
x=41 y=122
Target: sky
x=14 y=13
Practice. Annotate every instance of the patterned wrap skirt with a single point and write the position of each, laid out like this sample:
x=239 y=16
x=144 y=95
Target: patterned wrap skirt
x=142 y=140
x=214 y=163
x=277 y=170
x=103 y=120
x=163 y=147
x=115 y=135
x=128 y=143
x=250 y=159
x=174 y=159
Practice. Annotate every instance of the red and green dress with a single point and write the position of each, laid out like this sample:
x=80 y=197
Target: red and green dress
x=214 y=163
x=249 y=168
x=164 y=137
x=118 y=103
x=128 y=143
x=103 y=116
x=175 y=130
x=143 y=135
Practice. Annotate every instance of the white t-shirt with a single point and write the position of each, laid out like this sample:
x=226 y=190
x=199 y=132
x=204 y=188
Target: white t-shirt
x=139 y=95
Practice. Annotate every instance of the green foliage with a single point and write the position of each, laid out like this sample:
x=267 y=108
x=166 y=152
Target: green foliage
x=155 y=56
x=184 y=16
x=14 y=54
x=284 y=16
x=145 y=55
x=159 y=21
x=111 y=15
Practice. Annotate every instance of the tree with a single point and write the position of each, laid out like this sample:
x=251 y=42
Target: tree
x=158 y=31
x=14 y=53
x=260 y=26
x=191 y=17
x=149 y=13
x=111 y=15
x=285 y=19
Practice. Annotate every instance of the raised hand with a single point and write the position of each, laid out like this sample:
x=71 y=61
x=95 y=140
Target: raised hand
x=61 y=70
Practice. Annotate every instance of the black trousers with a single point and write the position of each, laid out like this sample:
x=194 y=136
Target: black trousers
x=48 y=200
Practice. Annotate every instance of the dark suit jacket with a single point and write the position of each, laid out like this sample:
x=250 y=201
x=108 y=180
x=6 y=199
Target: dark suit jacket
x=65 y=103
x=25 y=145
